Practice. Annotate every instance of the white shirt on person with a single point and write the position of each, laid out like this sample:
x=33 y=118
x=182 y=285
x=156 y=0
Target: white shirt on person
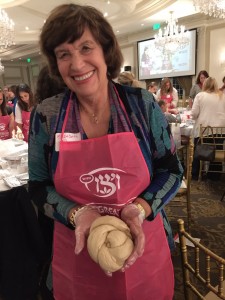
x=209 y=110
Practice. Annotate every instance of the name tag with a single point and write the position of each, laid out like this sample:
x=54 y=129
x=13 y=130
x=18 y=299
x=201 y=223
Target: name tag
x=67 y=137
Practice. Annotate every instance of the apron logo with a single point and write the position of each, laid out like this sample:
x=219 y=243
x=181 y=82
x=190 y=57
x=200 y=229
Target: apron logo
x=2 y=126
x=102 y=182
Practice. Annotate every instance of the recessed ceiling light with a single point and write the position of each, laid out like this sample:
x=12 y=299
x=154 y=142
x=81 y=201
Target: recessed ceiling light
x=142 y=24
x=105 y=14
x=27 y=28
x=117 y=31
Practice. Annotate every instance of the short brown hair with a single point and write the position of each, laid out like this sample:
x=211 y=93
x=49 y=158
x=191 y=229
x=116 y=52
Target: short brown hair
x=67 y=22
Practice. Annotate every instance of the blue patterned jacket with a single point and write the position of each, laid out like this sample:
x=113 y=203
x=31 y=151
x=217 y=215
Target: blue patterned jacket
x=155 y=140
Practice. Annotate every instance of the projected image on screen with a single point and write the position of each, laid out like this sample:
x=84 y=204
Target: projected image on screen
x=158 y=62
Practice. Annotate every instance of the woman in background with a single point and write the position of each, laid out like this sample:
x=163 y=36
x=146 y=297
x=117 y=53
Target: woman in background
x=23 y=108
x=169 y=94
x=6 y=119
x=153 y=88
x=47 y=86
x=209 y=110
x=197 y=87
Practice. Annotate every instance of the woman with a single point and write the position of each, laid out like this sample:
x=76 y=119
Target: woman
x=24 y=105
x=197 y=87
x=169 y=94
x=101 y=122
x=209 y=110
x=6 y=119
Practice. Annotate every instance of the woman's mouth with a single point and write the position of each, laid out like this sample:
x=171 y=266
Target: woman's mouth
x=83 y=77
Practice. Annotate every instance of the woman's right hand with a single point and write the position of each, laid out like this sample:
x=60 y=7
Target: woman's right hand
x=83 y=220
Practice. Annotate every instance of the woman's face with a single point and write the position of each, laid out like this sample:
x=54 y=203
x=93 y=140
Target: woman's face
x=167 y=85
x=1 y=98
x=82 y=66
x=24 y=96
x=202 y=78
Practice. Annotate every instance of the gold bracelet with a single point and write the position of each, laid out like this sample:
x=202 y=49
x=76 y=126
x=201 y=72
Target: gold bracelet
x=142 y=210
x=72 y=217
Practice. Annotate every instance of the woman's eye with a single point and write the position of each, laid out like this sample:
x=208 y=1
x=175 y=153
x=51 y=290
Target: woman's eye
x=63 y=55
x=86 y=49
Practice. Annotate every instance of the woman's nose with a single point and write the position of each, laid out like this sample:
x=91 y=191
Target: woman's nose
x=77 y=61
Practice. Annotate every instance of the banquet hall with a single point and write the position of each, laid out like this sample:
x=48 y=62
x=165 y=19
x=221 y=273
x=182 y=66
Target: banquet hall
x=151 y=53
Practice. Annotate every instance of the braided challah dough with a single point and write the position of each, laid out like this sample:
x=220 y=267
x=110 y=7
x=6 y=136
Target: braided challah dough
x=109 y=243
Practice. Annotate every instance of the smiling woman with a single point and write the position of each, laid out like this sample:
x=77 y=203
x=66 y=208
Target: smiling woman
x=85 y=162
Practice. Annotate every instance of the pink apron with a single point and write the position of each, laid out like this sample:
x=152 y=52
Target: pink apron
x=108 y=172
x=26 y=124
x=4 y=127
x=169 y=100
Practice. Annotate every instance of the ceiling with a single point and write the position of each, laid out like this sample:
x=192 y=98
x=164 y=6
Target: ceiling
x=126 y=17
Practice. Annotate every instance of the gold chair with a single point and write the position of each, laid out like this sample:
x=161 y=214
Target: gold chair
x=192 y=270
x=185 y=153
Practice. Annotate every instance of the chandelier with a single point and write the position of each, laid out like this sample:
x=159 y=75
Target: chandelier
x=6 y=31
x=1 y=67
x=173 y=37
x=215 y=8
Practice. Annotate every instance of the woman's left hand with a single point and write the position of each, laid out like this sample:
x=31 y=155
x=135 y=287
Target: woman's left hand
x=132 y=217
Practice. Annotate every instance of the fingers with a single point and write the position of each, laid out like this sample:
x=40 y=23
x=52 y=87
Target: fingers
x=80 y=241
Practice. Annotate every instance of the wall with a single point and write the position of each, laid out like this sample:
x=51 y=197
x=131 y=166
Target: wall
x=210 y=51
x=217 y=53
x=210 y=47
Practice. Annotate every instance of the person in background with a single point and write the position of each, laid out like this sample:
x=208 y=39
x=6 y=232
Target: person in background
x=153 y=88
x=5 y=92
x=95 y=127
x=47 y=86
x=169 y=94
x=23 y=108
x=209 y=110
x=170 y=118
x=128 y=78
x=6 y=119
x=222 y=89
x=12 y=97
x=197 y=87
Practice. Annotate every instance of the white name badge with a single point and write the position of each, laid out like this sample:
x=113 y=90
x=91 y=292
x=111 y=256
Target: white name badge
x=67 y=137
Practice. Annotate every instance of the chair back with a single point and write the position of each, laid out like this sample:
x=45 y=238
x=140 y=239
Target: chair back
x=195 y=275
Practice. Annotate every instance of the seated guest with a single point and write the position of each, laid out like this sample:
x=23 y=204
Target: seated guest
x=152 y=88
x=6 y=119
x=169 y=94
x=170 y=118
x=128 y=78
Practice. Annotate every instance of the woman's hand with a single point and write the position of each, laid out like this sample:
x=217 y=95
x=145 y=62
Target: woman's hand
x=131 y=215
x=83 y=220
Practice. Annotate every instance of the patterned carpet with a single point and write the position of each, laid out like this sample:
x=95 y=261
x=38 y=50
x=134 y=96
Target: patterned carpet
x=208 y=224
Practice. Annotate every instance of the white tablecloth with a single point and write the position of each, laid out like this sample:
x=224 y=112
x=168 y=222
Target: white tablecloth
x=13 y=164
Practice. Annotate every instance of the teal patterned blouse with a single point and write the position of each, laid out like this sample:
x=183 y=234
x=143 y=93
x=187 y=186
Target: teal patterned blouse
x=151 y=130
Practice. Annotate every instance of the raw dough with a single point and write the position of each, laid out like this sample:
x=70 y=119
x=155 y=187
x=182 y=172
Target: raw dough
x=109 y=243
